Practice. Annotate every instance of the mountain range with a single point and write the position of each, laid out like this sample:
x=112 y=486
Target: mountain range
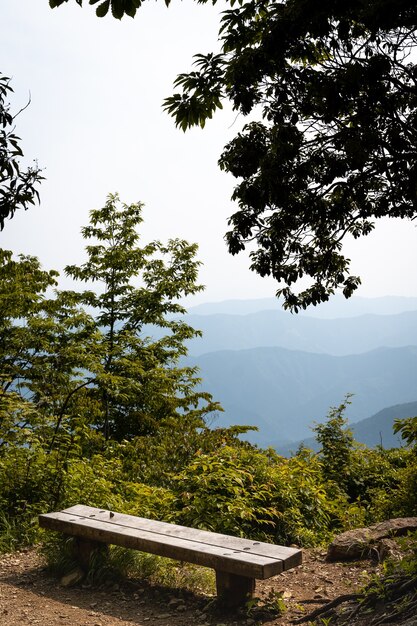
x=282 y=372
x=373 y=431
x=337 y=306
x=338 y=336
x=284 y=392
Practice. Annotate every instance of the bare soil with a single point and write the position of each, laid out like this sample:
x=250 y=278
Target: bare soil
x=30 y=595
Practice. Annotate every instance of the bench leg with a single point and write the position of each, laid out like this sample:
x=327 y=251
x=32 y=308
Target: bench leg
x=83 y=550
x=234 y=590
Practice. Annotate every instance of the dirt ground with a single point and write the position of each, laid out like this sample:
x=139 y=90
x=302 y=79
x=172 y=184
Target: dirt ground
x=29 y=595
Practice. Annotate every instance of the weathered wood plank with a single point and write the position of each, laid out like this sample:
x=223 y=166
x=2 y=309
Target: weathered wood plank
x=217 y=557
x=290 y=557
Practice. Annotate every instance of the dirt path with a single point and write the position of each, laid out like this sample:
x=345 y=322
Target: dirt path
x=28 y=595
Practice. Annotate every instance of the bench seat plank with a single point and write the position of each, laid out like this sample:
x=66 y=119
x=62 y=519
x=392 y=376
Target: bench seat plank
x=289 y=556
x=221 y=552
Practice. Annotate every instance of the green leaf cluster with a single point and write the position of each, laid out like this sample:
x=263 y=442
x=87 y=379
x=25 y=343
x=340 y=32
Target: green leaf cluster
x=331 y=149
x=117 y=8
x=18 y=187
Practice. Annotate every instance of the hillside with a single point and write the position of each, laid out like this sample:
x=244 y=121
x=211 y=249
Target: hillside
x=377 y=429
x=372 y=431
x=285 y=391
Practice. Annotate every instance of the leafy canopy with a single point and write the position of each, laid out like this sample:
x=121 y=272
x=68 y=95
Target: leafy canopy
x=136 y=379
x=17 y=186
x=106 y=361
x=335 y=149
x=331 y=89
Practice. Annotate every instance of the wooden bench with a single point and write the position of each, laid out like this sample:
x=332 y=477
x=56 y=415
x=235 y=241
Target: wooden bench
x=237 y=562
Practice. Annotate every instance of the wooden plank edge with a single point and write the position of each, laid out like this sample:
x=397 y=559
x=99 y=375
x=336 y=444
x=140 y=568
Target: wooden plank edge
x=226 y=563
x=290 y=556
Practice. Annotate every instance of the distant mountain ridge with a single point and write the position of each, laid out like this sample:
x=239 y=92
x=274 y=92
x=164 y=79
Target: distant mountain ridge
x=337 y=306
x=372 y=431
x=282 y=372
x=285 y=391
x=339 y=336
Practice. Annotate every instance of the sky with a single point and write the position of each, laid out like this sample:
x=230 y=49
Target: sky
x=95 y=124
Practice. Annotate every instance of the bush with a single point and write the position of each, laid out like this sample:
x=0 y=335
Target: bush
x=248 y=492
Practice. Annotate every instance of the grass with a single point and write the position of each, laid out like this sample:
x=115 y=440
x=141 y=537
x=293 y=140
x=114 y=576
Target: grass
x=117 y=564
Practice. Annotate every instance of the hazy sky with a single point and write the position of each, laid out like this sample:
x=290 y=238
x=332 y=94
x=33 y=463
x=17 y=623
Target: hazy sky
x=95 y=124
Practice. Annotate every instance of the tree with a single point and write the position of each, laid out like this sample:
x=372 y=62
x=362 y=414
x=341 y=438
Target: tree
x=135 y=380
x=45 y=342
x=17 y=187
x=336 y=148
x=337 y=444
x=106 y=360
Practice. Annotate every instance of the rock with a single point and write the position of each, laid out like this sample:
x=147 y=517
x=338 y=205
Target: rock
x=394 y=527
x=363 y=543
x=73 y=578
x=388 y=548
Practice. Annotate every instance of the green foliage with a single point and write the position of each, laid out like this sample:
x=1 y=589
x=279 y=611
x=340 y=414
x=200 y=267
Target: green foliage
x=333 y=152
x=217 y=492
x=248 y=492
x=78 y=371
x=374 y=481
x=117 y=8
x=403 y=500
x=134 y=380
x=153 y=459
x=308 y=508
x=336 y=441
x=212 y=480
x=180 y=575
x=95 y=410
x=14 y=534
x=18 y=187
x=87 y=356
x=113 y=563
x=408 y=429
x=195 y=109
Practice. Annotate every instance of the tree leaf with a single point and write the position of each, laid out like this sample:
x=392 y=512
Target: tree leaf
x=103 y=9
